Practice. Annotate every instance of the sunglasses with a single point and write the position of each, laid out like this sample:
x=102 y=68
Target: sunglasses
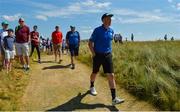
x=21 y=21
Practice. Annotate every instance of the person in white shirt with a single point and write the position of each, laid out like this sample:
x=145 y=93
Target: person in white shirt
x=3 y=33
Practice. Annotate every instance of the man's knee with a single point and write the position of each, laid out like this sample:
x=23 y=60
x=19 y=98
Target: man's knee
x=110 y=76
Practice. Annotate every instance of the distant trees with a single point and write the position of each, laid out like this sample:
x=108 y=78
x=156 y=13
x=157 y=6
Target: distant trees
x=132 y=37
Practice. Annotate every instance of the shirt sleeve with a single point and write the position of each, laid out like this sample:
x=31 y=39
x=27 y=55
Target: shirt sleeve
x=93 y=36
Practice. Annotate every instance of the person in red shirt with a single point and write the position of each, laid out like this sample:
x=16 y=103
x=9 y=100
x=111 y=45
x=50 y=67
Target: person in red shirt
x=34 y=35
x=22 y=33
x=57 y=42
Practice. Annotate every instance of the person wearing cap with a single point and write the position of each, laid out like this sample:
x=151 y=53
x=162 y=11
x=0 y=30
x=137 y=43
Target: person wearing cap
x=22 y=33
x=101 y=49
x=73 y=42
x=3 y=33
x=57 y=37
x=9 y=46
x=34 y=35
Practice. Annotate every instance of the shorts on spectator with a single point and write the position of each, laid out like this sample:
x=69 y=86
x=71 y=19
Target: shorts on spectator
x=57 y=47
x=9 y=54
x=22 y=49
x=74 y=50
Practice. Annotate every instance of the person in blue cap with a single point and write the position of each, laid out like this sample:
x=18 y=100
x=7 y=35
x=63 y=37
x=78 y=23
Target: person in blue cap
x=100 y=45
x=3 y=33
x=73 y=42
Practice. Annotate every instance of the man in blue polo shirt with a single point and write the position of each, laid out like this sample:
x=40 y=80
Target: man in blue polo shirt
x=73 y=42
x=100 y=45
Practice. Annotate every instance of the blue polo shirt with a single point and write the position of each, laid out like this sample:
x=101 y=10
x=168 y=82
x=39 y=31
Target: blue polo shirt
x=73 y=37
x=102 y=37
x=9 y=43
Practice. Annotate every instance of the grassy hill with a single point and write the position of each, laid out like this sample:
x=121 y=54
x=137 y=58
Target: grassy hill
x=149 y=70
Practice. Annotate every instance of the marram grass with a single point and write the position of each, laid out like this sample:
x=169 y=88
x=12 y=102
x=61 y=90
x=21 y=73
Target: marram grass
x=149 y=70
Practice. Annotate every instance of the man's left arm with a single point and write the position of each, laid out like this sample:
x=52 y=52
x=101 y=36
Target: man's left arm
x=29 y=35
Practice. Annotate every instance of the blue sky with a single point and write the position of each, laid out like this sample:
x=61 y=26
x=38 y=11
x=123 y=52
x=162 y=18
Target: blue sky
x=147 y=19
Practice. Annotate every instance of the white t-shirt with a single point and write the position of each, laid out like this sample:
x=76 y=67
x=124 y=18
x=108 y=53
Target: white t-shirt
x=3 y=33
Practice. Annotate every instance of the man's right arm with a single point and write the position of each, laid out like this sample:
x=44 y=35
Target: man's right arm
x=91 y=42
x=91 y=47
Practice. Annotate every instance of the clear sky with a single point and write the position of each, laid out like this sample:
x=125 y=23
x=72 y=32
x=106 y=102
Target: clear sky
x=147 y=19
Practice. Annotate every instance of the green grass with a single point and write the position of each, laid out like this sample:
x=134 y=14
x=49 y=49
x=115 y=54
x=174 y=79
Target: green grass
x=12 y=87
x=149 y=70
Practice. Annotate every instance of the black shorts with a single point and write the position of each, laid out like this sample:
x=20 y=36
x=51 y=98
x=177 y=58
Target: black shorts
x=74 y=50
x=105 y=60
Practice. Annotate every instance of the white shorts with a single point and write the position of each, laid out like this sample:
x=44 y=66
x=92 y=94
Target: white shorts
x=22 y=49
x=9 y=54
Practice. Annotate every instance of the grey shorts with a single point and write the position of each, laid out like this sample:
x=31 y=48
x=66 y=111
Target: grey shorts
x=22 y=49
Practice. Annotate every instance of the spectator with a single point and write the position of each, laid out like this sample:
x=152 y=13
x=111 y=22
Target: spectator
x=73 y=42
x=22 y=33
x=172 y=38
x=63 y=46
x=118 y=38
x=132 y=37
x=9 y=46
x=165 y=37
x=48 y=44
x=35 y=42
x=57 y=43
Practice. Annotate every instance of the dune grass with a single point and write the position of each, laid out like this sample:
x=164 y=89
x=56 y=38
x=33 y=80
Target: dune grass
x=149 y=70
x=12 y=86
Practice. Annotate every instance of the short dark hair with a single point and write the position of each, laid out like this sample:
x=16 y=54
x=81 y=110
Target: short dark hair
x=57 y=27
x=35 y=26
x=10 y=30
